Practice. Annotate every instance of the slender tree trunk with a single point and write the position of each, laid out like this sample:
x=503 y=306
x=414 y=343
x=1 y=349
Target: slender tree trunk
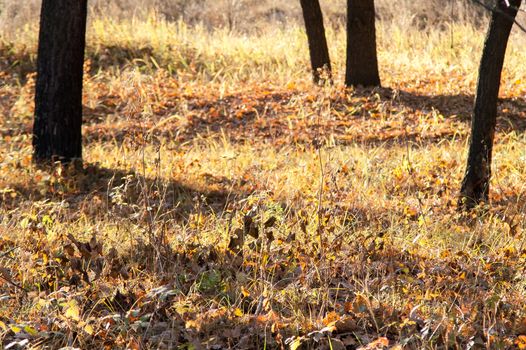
x=319 y=52
x=58 y=96
x=362 y=63
x=475 y=186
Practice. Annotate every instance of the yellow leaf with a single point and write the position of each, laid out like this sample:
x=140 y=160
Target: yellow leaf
x=291 y=85
x=89 y=329
x=73 y=310
x=398 y=173
x=295 y=344
x=45 y=258
x=31 y=331
x=25 y=223
x=15 y=329
x=238 y=312
x=3 y=326
x=245 y=292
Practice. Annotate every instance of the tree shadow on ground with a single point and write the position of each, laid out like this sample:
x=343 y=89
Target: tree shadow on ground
x=17 y=66
x=106 y=57
x=95 y=190
x=284 y=116
x=368 y=116
x=270 y=113
x=19 y=63
x=510 y=116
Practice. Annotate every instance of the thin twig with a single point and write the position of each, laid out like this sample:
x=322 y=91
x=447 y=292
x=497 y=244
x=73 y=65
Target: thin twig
x=2 y=276
x=6 y=253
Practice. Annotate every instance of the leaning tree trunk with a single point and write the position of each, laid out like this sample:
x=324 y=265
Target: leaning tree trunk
x=58 y=96
x=475 y=186
x=362 y=63
x=319 y=52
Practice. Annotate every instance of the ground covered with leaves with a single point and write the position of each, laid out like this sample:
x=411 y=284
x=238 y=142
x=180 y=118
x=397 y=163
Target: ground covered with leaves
x=226 y=207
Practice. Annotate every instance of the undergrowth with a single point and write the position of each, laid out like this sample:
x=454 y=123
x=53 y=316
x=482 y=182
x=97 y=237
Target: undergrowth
x=225 y=202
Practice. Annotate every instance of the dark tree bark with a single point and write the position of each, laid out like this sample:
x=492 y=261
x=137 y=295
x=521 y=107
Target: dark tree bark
x=362 y=62
x=475 y=186
x=319 y=52
x=58 y=96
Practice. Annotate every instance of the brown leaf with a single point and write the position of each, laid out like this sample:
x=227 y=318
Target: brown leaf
x=291 y=237
x=270 y=222
x=250 y=227
x=346 y=325
x=237 y=239
x=112 y=254
x=70 y=250
x=336 y=344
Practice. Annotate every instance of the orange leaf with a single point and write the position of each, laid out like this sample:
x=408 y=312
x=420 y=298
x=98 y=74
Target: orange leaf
x=331 y=317
x=378 y=344
x=521 y=342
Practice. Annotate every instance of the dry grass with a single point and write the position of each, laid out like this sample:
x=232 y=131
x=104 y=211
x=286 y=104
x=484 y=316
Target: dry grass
x=195 y=136
x=251 y=16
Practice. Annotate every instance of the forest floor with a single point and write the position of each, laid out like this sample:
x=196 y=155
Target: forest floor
x=226 y=202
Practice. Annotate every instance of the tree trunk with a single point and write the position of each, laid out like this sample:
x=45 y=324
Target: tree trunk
x=58 y=96
x=319 y=52
x=475 y=186
x=362 y=63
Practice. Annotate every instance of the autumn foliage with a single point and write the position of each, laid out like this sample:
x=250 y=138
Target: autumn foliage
x=226 y=202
